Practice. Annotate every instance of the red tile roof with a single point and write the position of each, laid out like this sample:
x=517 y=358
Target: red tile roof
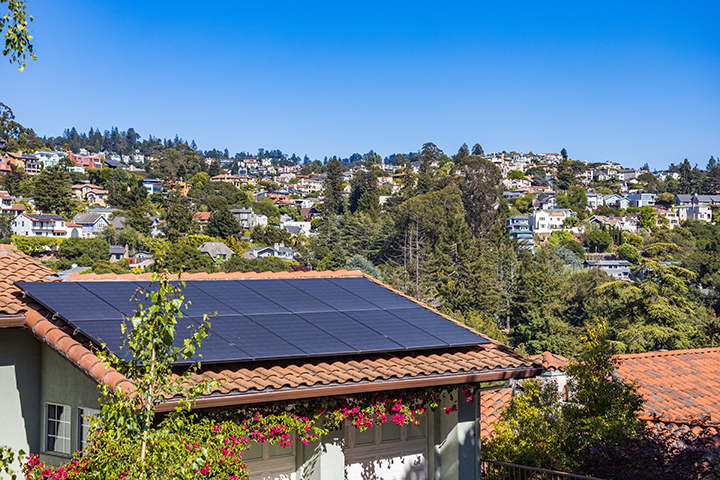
x=492 y=404
x=551 y=362
x=254 y=382
x=679 y=386
x=15 y=266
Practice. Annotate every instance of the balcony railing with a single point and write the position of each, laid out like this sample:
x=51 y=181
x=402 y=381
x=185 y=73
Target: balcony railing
x=494 y=470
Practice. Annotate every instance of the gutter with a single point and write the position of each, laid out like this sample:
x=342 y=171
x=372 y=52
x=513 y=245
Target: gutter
x=336 y=390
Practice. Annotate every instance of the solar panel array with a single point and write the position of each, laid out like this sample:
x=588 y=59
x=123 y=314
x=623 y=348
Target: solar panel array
x=265 y=319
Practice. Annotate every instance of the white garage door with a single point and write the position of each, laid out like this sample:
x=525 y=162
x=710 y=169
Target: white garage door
x=387 y=452
x=270 y=462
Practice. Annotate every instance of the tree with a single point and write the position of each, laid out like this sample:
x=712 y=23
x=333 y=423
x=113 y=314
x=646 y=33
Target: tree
x=223 y=224
x=463 y=152
x=365 y=195
x=333 y=189
x=515 y=175
x=480 y=182
x=183 y=257
x=539 y=430
x=178 y=216
x=53 y=192
x=648 y=217
x=477 y=150
x=564 y=154
x=597 y=240
x=6 y=220
x=13 y=26
x=628 y=252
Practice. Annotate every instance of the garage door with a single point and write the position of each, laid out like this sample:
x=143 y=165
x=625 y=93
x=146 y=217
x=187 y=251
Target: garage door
x=387 y=452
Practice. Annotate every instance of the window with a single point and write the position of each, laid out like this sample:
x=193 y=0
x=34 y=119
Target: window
x=84 y=415
x=57 y=428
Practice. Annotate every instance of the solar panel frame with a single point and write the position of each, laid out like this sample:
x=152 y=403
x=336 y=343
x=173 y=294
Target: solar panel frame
x=239 y=297
x=358 y=336
x=302 y=334
x=284 y=294
x=396 y=329
x=247 y=335
x=334 y=296
x=70 y=300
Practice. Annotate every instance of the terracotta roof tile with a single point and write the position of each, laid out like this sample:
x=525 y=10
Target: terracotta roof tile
x=492 y=403
x=551 y=362
x=679 y=385
x=15 y=266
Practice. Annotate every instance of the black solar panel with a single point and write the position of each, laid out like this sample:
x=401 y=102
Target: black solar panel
x=352 y=332
x=441 y=328
x=373 y=293
x=333 y=295
x=71 y=301
x=266 y=319
x=287 y=296
x=396 y=329
x=250 y=337
x=303 y=335
x=119 y=295
x=240 y=298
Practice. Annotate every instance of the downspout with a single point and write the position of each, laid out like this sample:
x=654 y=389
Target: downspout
x=478 y=443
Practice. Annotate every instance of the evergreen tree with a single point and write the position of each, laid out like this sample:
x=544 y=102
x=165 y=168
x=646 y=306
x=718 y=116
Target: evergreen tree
x=365 y=195
x=178 y=216
x=223 y=224
x=333 y=189
x=477 y=150
x=53 y=191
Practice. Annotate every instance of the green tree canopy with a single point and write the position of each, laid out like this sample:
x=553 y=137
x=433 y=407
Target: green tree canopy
x=53 y=192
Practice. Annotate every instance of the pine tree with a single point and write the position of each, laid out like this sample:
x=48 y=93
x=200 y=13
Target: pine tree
x=52 y=191
x=223 y=224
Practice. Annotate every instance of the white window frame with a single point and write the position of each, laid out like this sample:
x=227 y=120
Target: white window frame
x=67 y=424
x=83 y=426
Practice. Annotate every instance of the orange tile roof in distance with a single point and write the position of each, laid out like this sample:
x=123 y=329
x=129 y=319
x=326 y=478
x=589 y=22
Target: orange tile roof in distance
x=253 y=382
x=681 y=386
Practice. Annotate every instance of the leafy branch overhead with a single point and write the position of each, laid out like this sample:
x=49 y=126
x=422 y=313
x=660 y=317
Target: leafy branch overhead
x=14 y=26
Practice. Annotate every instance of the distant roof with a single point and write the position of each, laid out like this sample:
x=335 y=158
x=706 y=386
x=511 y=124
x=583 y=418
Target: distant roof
x=602 y=263
x=85 y=218
x=44 y=217
x=678 y=385
x=216 y=248
x=117 y=249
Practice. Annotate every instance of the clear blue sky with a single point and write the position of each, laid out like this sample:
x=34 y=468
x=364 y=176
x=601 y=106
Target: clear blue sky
x=633 y=82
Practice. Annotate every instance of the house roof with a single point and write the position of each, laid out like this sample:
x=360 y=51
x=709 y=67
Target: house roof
x=87 y=218
x=215 y=249
x=679 y=386
x=117 y=250
x=493 y=402
x=244 y=383
x=551 y=362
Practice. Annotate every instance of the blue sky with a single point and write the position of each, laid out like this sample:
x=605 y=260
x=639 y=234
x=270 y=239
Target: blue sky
x=633 y=82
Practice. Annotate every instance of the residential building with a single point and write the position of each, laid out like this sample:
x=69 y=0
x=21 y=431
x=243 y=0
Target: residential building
x=548 y=221
x=618 y=269
x=91 y=223
x=92 y=194
x=278 y=250
x=642 y=199
x=695 y=199
x=152 y=185
x=627 y=223
x=673 y=220
x=297 y=228
x=234 y=179
x=86 y=160
x=217 y=250
x=202 y=218
x=49 y=158
x=32 y=164
x=595 y=201
x=694 y=212
x=248 y=218
x=118 y=252
x=44 y=225
x=616 y=201
x=5 y=165
x=518 y=228
x=53 y=365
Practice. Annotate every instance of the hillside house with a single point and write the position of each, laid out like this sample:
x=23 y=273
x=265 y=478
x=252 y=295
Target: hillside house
x=307 y=318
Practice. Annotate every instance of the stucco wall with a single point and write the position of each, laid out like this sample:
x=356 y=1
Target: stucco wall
x=31 y=375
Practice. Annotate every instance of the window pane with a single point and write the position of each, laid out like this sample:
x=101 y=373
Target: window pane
x=57 y=436
x=390 y=431
x=414 y=431
x=363 y=438
x=255 y=451
x=84 y=416
x=278 y=450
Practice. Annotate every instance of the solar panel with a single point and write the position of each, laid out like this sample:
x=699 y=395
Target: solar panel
x=333 y=295
x=360 y=337
x=287 y=296
x=238 y=297
x=120 y=295
x=303 y=335
x=373 y=293
x=105 y=331
x=266 y=319
x=71 y=301
x=252 y=338
x=447 y=331
x=396 y=329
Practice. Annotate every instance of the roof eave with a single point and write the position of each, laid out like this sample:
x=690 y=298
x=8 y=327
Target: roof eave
x=304 y=393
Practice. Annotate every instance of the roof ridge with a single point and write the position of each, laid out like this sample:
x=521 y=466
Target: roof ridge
x=666 y=353
x=77 y=277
